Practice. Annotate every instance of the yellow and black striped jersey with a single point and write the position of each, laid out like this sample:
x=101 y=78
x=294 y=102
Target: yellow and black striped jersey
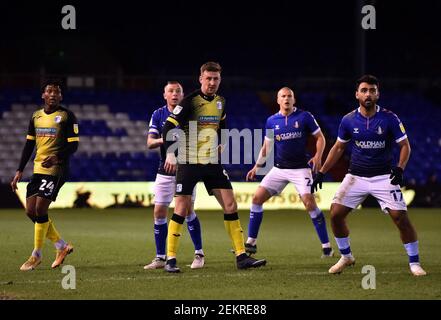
x=199 y=116
x=52 y=132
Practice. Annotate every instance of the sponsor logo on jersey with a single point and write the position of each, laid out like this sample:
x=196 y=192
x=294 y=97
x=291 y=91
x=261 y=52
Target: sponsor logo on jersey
x=296 y=124
x=402 y=128
x=46 y=132
x=370 y=144
x=177 y=110
x=356 y=130
x=379 y=130
x=209 y=119
x=289 y=136
x=277 y=127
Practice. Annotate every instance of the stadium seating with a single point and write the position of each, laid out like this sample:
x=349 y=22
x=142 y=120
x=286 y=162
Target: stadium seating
x=113 y=129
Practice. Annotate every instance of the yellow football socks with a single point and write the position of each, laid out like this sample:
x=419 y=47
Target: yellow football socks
x=52 y=233
x=174 y=234
x=40 y=231
x=234 y=230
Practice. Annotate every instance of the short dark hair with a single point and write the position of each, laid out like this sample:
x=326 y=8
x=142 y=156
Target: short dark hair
x=52 y=82
x=368 y=78
x=172 y=82
x=211 y=66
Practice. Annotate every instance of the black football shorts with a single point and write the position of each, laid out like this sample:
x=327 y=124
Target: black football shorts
x=44 y=186
x=214 y=176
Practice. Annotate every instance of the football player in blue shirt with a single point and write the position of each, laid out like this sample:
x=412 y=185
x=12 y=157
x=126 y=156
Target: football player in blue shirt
x=291 y=126
x=373 y=131
x=165 y=184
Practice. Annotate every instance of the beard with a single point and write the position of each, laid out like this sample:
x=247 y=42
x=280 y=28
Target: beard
x=368 y=104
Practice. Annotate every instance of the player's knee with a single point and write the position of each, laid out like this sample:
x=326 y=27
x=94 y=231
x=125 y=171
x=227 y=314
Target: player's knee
x=230 y=206
x=31 y=212
x=401 y=219
x=257 y=199
x=183 y=205
x=40 y=210
x=160 y=213
x=310 y=205
x=336 y=215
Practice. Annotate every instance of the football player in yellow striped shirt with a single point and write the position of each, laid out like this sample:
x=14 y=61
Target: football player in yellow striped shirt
x=53 y=131
x=204 y=111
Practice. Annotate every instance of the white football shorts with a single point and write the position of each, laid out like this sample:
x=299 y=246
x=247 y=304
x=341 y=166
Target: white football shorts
x=354 y=189
x=164 y=189
x=277 y=179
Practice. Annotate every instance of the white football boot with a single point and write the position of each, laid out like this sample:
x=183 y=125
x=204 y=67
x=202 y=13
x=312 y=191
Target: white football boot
x=416 y=270
x=341 y=264
x=157 y=263
x=198 y=261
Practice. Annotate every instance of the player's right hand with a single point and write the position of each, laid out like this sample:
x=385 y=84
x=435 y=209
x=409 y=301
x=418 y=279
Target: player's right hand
x=317 y=182
x=16 y=179
x=170 y=163
x=251 y=175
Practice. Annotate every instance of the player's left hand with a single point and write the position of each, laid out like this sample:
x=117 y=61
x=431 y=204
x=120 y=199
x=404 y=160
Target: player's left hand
x=316 y=163
x=50 y=161
x=396 y=176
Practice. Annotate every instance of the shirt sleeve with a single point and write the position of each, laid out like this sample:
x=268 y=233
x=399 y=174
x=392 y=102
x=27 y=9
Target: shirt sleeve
x=72 y=129
x=224 y=116
x=181 y=113
x=398 y=131
x=154 y=124
x=311 y=124
x=269 y=126
x=344 y=132
x=31 y=130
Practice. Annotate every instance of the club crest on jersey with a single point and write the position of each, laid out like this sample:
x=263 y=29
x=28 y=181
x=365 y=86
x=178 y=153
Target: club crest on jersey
x=177 y=110
x=219 y=105
x=379 y=130
x=57 y=119
x=296 y=124
x=356 y=130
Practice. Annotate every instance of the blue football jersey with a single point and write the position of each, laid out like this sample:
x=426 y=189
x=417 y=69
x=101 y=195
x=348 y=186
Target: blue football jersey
x=290 y=138
x=156 y=124
x=372 y=140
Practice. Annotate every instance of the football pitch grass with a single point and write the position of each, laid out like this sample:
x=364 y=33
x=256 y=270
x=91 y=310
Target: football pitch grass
x=112 y=246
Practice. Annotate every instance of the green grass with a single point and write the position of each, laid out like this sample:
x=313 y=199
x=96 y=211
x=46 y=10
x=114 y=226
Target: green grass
x=111 y=246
